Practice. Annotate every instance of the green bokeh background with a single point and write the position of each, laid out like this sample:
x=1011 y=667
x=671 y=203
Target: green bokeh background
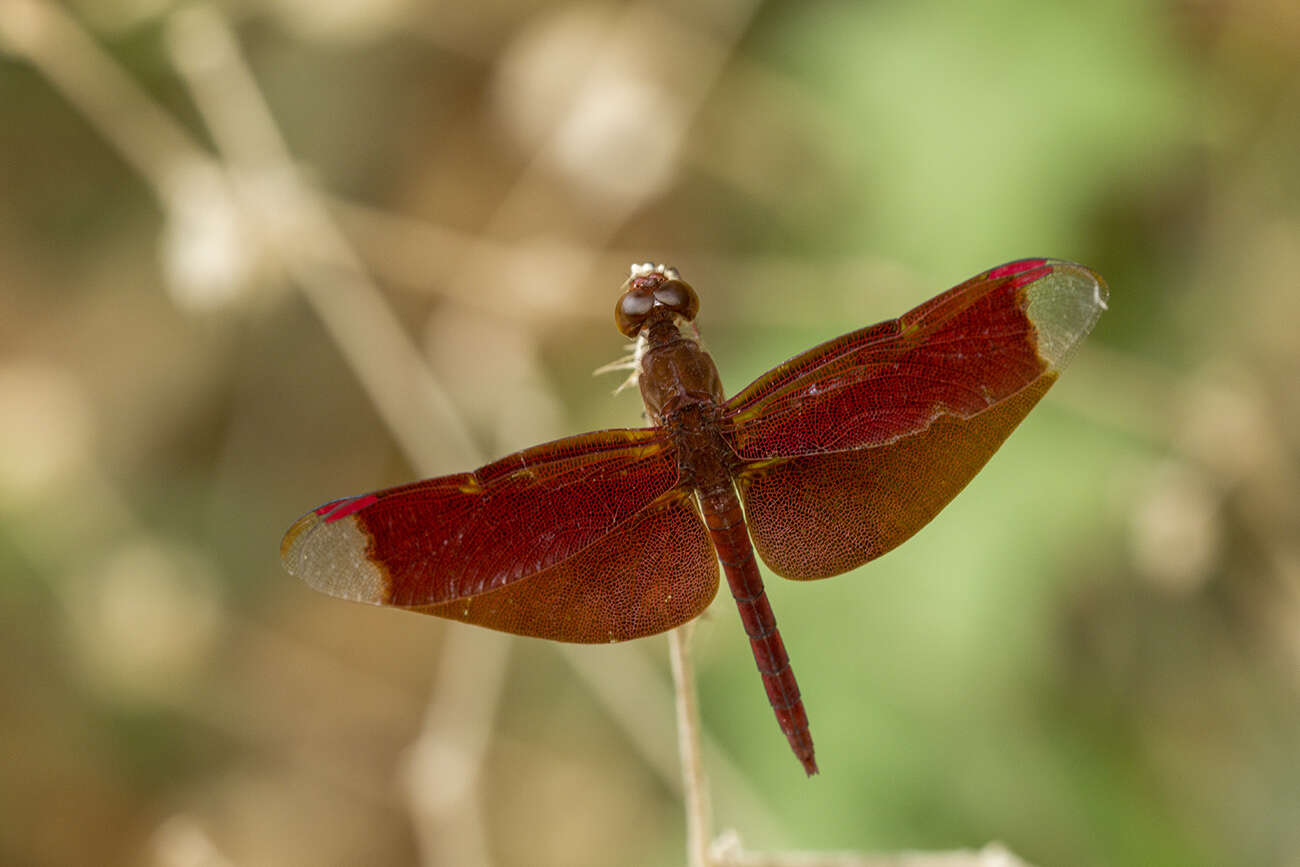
x=1092 y=655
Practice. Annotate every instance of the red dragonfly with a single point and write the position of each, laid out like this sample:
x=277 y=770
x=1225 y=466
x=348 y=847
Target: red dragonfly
x=825 y=462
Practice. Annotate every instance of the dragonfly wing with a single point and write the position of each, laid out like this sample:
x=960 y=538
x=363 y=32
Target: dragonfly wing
x=850 y=448
x=586 y=539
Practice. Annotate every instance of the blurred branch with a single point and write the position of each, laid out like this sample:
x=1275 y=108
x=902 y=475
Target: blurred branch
x=309 y=246
x=727 y=853
x=726 y=850
x=410 y=253
x=445 y=762
x=181 y=842
x=698 y=821
x=638 y=699
x=145 y=136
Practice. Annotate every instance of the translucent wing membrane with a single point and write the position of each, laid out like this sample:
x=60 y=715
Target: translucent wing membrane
x=853 y=446
x=585 y=539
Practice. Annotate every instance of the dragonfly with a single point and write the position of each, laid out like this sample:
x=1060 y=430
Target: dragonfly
x=825 y=462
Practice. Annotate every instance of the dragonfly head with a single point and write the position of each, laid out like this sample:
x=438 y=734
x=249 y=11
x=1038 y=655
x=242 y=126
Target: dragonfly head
x=650 y=291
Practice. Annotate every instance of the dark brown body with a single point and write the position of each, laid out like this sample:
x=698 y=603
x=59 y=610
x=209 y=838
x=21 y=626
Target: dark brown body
x=683 y=393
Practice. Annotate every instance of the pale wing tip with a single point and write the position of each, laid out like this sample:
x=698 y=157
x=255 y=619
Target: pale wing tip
x=331 y=556
x=1064 y=305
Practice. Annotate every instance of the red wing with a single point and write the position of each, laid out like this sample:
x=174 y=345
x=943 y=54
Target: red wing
x=584 y=539
x=855 y=445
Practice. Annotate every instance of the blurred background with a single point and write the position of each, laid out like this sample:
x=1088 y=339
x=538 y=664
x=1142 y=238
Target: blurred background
x=256 y=256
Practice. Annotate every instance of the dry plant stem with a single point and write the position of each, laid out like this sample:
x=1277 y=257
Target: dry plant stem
x=993 y=855
x=694 y=786
x=444 y=763
x=309 y=246
x=145 y=136
x=637 y=697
